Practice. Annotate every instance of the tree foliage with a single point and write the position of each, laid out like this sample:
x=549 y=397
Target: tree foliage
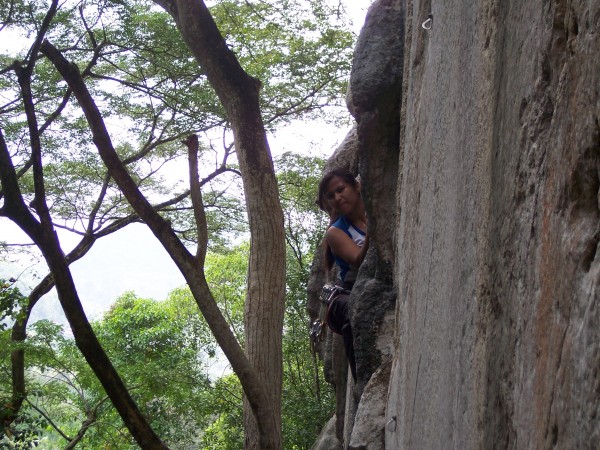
x=12 y=303
x=308 y=401
x=151 y=92
x=164 y=351
x=139 y=92
x=159 y=349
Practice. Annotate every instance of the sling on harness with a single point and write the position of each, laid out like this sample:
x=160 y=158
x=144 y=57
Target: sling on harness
x=329 y=294
x=335 y=299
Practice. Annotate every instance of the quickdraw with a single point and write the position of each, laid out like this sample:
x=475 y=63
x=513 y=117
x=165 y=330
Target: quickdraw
x=317 y=332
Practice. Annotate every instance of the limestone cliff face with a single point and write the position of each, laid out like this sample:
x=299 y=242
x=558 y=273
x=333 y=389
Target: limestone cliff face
x=478 y=143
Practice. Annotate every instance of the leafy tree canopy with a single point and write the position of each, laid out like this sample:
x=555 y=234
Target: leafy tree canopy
x=164 y=351
x=158 y=347
x=152 y=93
x=12 y=303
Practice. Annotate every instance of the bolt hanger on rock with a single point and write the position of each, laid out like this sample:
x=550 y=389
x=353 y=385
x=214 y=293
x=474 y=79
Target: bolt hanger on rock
x=428 y=23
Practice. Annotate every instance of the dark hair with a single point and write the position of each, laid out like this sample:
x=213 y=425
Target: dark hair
x=341 y=172
x=349 y=178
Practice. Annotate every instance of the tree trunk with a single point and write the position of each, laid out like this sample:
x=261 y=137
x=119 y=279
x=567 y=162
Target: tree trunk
x=261 y=373
x=43 y=235
x=264 y=310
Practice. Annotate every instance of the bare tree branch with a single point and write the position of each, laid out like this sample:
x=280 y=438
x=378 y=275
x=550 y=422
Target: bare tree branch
x=164 y=233
x=239 y=95
x=48 y=419
x=199 y=214
x=42 y=233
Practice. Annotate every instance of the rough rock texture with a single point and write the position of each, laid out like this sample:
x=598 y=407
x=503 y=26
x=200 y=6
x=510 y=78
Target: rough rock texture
x=483 y=197
x=498 y=336
x=373 y=146
x=346 y=154
x=368 y=431
x=374 y=96
x=327 y=439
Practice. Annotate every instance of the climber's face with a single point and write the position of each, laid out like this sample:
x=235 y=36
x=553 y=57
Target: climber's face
x=343 y=197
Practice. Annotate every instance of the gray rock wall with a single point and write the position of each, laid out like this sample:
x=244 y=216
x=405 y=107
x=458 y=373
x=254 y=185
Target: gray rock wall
x=497 y=321
x=486 y=152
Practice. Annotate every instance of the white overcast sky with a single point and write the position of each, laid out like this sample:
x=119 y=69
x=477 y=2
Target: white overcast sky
x=132 y=259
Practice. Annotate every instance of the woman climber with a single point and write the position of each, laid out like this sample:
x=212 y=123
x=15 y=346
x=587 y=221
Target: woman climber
x=347 y=244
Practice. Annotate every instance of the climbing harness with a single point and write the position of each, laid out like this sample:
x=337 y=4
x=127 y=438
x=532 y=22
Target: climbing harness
x=317 y=329
x=330 y=291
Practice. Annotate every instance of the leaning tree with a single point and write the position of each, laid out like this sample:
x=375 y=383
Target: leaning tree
x=101 y=64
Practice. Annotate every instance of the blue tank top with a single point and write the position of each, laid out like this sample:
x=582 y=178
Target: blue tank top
x=347 y=273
